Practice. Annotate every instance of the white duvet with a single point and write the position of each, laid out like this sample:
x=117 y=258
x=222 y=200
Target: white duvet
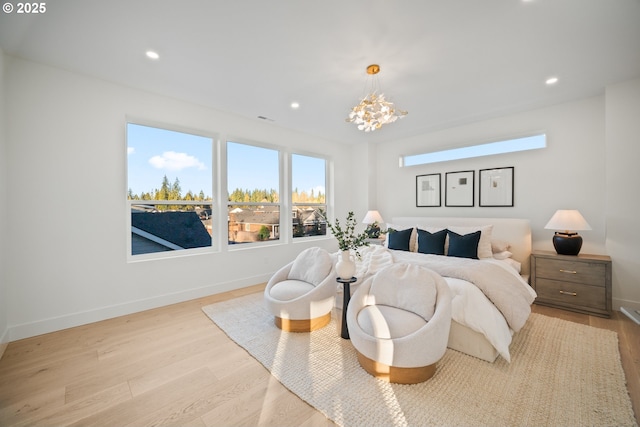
x=470 y=307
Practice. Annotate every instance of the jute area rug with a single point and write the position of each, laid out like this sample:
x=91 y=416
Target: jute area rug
x=561 y=374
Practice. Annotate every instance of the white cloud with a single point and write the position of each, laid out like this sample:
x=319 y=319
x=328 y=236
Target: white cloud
x=131 y=150
x=173 y=161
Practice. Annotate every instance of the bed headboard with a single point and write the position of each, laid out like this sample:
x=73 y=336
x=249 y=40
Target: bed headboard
x=515 y=231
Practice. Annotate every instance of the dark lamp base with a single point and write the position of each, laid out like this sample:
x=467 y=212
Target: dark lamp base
x=373 y=231
x=567 y=244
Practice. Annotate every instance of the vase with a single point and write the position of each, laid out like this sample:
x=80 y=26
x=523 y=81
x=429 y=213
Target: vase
x=346 y=265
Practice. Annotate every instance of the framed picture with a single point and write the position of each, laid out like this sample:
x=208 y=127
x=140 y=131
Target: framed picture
x=428 y=190
x=496 y=187
x=459 y=186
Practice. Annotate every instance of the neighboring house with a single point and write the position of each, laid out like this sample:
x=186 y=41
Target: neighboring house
x=166 y=231
x=244 y=225
x=309 y=222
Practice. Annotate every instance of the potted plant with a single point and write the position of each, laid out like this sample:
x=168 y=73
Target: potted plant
x=348 y=240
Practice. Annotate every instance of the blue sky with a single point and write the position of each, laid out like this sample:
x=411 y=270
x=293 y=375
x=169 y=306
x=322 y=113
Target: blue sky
x=154 y=153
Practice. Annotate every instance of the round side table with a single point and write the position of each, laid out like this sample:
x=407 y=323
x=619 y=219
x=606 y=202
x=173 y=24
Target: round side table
x=346 y=296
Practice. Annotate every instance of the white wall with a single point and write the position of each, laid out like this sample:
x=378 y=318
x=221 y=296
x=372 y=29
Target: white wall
x=4 y=336
x=571 y=173
x=568 y=174
x=66 y=167
x=623 y=202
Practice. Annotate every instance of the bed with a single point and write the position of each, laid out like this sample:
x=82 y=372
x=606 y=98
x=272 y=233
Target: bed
x=483 y=322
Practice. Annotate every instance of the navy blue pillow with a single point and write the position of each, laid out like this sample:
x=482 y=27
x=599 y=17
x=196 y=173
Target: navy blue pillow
x=431 y=243
x=399 y=240
x=464 y=246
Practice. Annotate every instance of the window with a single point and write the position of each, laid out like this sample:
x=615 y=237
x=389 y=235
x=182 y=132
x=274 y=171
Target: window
x=170 y=181
x=507 y=146
x=308 y=200
x=253 y=183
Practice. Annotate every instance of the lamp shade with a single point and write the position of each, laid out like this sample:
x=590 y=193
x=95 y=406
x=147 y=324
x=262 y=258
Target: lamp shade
x=567 y=220
x=372 y=217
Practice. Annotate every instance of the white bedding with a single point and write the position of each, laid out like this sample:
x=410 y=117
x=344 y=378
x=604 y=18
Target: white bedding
x=470 y=307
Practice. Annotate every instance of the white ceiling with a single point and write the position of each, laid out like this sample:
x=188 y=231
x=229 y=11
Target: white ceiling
x=447 y=62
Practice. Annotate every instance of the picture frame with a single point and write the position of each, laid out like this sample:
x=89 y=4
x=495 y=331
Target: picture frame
x=496 y=187
x=428 y=190
x=460 y=189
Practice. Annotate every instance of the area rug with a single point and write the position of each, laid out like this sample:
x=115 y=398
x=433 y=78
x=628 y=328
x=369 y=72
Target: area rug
x=561 y=374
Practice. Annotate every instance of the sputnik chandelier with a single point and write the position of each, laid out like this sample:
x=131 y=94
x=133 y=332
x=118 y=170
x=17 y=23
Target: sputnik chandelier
x=374 y=111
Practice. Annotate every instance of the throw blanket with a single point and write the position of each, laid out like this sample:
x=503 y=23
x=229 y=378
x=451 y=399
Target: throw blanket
x=499 y=285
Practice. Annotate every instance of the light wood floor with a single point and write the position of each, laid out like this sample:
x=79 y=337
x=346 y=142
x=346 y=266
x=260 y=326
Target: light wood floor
x=173 y=366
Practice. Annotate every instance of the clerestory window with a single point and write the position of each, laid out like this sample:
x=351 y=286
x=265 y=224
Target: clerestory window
x=499 y=147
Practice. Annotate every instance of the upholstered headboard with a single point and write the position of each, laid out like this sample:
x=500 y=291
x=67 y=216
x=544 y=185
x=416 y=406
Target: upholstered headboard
x=515 y=231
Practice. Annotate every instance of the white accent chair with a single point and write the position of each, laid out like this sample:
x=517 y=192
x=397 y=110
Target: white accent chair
x=301 y=294
x=399 y=321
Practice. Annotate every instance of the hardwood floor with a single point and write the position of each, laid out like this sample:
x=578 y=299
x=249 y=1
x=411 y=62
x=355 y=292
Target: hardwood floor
x=173 y=366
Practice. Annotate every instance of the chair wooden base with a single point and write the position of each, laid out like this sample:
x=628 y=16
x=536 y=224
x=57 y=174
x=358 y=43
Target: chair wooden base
x=304 y=325
x=394 y=374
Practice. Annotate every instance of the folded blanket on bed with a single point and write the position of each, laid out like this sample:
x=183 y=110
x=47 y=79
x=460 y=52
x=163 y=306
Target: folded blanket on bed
x=499 y=285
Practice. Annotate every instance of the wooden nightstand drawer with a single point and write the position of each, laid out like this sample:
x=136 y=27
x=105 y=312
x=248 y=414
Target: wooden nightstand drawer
x=572 y=271
x=580 y=283
x=571 y=294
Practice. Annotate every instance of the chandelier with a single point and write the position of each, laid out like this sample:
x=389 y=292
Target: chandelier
x=374 y=110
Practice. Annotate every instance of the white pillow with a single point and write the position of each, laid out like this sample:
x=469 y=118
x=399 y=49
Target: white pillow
x=502 y=255
x=484 y=245
x=409 y=287
x=312 y=266
x=498 y=245
x=413 y=240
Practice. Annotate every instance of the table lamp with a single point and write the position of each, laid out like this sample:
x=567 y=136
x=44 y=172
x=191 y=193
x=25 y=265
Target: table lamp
x=372 y=219
x=567 y=242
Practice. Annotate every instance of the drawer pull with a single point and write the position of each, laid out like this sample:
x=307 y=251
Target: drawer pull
x=568 y=271
x=573 y=294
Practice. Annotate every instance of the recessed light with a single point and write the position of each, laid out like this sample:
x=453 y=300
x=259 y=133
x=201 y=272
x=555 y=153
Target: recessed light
x=295 y=105
x=551 y=80
x=152 y=54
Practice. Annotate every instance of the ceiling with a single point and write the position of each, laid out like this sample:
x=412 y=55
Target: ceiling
x=447 y=62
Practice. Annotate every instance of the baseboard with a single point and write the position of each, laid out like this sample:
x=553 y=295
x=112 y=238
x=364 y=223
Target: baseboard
x=4 y=342
x=631 y=314
x=46 y=326
x=619 y=303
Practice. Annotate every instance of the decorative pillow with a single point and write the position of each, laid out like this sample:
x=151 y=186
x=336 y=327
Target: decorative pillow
x=400 y=240
x=431 y=243
x=312 y=266
x=413 y=241
x=406 y=286
x=502 y=255
x=499 y=245
x=484 y=246
x=465 y=246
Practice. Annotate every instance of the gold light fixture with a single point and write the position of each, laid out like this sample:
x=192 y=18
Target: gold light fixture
x=374 y=111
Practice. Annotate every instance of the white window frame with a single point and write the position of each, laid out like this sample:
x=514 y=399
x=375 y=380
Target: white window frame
x=282 y=239
x=220 y=199
x=215 y=173
x=327 y=162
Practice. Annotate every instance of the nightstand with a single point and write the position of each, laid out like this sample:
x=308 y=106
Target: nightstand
x=579 y=283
